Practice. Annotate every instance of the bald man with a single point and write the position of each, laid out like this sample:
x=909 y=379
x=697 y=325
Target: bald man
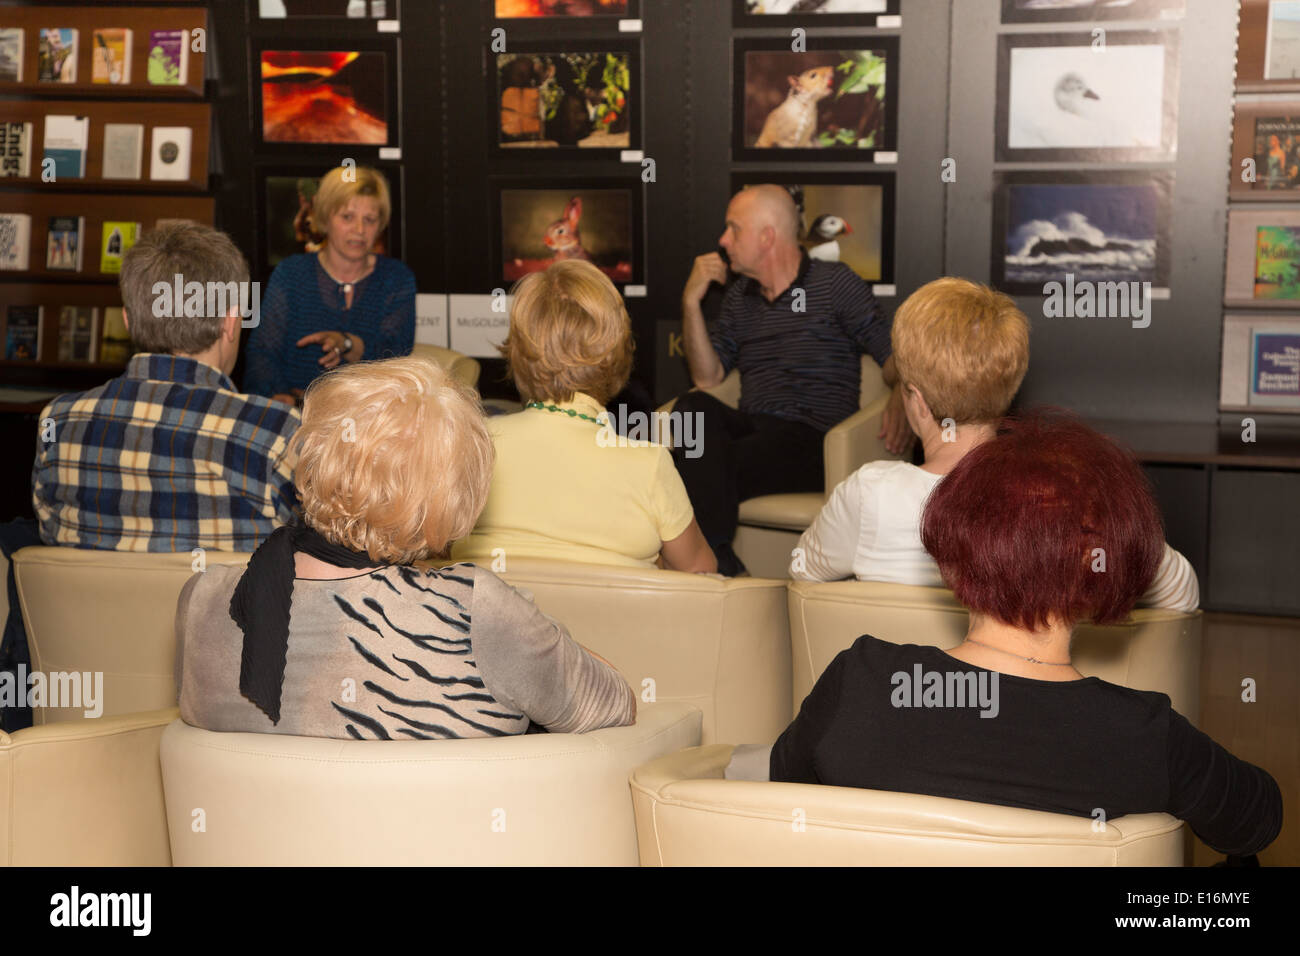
x=795 y=327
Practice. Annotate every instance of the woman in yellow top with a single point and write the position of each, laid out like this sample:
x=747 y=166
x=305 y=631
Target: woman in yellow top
x=561 y=489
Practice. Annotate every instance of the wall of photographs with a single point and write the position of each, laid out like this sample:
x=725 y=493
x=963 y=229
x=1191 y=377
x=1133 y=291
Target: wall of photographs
x=106 y=129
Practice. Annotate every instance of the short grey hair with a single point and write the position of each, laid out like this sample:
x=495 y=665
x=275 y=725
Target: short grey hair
x=195 y=252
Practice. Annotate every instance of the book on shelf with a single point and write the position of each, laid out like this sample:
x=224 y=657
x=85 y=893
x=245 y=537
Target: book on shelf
x=123 y=150
x=23 y=333
x=11 y=54
x=65 y=143
x=15 y=241
x=119 y=237
x=64 y=250
x=58 y=55
x=114 y=341
x=78 y=328
x=169 y=57
x=1275 y=365
x=15 y=148
x=112 y=56
x=171 y=152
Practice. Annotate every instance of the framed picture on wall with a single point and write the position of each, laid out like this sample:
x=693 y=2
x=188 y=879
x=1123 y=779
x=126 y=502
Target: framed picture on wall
x=811 y=13
x=1086 y=11
x=536 y=224
x=284 y=197
x=848 y=219
x=1263 y=262
x=1105 y=226
x=1063 y=98
x=331 y=9
x=539 y=9
x=1261 y=363
x=342 y=93
x=836 y=101
x=583 y=100
x=1266 y=150
x=1268 y=45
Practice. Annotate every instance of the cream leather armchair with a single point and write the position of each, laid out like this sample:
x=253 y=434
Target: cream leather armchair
x=720 y=644
x=106 y=611
x=1156 y=650
x=539 y=799
x=85 y=794
x=688 y=815
x=462 y=368
x=770 y=525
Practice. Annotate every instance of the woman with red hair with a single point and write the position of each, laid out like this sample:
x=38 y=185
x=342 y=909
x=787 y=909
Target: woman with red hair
x=1046 y=525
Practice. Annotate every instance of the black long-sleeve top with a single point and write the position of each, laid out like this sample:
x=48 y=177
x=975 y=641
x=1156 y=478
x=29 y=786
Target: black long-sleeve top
x=1064 y=747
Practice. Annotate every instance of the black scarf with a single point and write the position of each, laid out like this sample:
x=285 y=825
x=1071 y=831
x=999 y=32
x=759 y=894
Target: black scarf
x=260 y=606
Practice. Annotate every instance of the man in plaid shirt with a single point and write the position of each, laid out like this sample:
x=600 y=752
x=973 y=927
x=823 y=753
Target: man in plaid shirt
x=169 y=456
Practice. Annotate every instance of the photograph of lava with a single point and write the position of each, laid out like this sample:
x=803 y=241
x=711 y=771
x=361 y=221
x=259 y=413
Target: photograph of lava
x=324 y=96
x=521 y=9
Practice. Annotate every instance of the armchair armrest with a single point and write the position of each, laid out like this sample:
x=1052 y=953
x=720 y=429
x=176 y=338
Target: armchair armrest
x=727 y=391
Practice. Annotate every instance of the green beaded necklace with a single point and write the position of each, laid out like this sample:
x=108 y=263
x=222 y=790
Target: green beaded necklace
x=571 y=412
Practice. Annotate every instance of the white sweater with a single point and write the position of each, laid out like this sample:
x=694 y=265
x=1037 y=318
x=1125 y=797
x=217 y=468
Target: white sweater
x=870 y=528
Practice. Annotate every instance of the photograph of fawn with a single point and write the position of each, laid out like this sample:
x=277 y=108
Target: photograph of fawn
x=828 y=100
x=539 y=227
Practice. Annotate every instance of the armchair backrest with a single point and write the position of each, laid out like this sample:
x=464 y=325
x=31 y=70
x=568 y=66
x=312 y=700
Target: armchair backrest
x=720 y=644
x=1156 y=649
x=462 y=368
x=112 y=612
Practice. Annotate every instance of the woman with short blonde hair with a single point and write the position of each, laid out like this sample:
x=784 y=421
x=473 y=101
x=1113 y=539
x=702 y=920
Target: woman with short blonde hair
x=337 y=306
x=333 y=632
x=962 y=350
x=565 y=485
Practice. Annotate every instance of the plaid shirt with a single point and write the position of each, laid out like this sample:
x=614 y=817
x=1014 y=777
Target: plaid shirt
x=168 y=457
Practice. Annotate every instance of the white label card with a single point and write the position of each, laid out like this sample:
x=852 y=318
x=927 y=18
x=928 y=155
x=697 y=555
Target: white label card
x=889 y=21
x=390 y=152
x=884 y=290
x=631 y=156
x=885 y=159
x=634 y=292
x=629 y=26
x=431 y=318
x=389 y=26
x=1160 y=294
x=477 y=328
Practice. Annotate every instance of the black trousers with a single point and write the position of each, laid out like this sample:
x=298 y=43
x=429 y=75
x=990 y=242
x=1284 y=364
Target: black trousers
x=743 y=456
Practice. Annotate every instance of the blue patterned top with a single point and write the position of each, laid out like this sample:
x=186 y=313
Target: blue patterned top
x=167 y=457
x=301 y=298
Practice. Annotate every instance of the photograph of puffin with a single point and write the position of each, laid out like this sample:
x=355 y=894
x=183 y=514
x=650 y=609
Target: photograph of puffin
x=825 y=232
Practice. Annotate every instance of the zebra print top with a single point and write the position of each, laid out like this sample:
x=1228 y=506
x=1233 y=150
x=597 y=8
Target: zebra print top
x=396 y=654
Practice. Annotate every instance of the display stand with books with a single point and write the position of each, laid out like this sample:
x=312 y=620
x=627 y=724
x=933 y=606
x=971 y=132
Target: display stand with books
x=105 y=131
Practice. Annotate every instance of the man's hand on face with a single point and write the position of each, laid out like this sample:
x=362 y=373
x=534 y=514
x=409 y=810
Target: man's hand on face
x=708 y=268
x=894 y=427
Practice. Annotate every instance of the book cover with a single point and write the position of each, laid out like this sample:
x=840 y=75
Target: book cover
x=23 y=333
x=63 y=249
x=171 y=152
x=77 y=333
x=123 y=150
x=169 y=57
x=114 y=341
x=65 y=143
x=58 y=56
x=1275 y=367
x=11 y=54
x=111 y=56
x=118 y=238
x=15 y=148
x=15 y=241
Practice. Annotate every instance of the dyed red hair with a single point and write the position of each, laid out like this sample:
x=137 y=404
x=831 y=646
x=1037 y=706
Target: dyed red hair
x=1015 y=526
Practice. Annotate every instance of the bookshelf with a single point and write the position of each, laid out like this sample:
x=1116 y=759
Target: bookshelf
x=134 y=110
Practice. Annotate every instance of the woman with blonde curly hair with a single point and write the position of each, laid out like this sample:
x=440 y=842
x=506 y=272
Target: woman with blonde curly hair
x=333 y=632
x=562 y=488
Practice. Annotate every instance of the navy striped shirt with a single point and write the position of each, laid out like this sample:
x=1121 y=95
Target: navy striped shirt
x=802 y=365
